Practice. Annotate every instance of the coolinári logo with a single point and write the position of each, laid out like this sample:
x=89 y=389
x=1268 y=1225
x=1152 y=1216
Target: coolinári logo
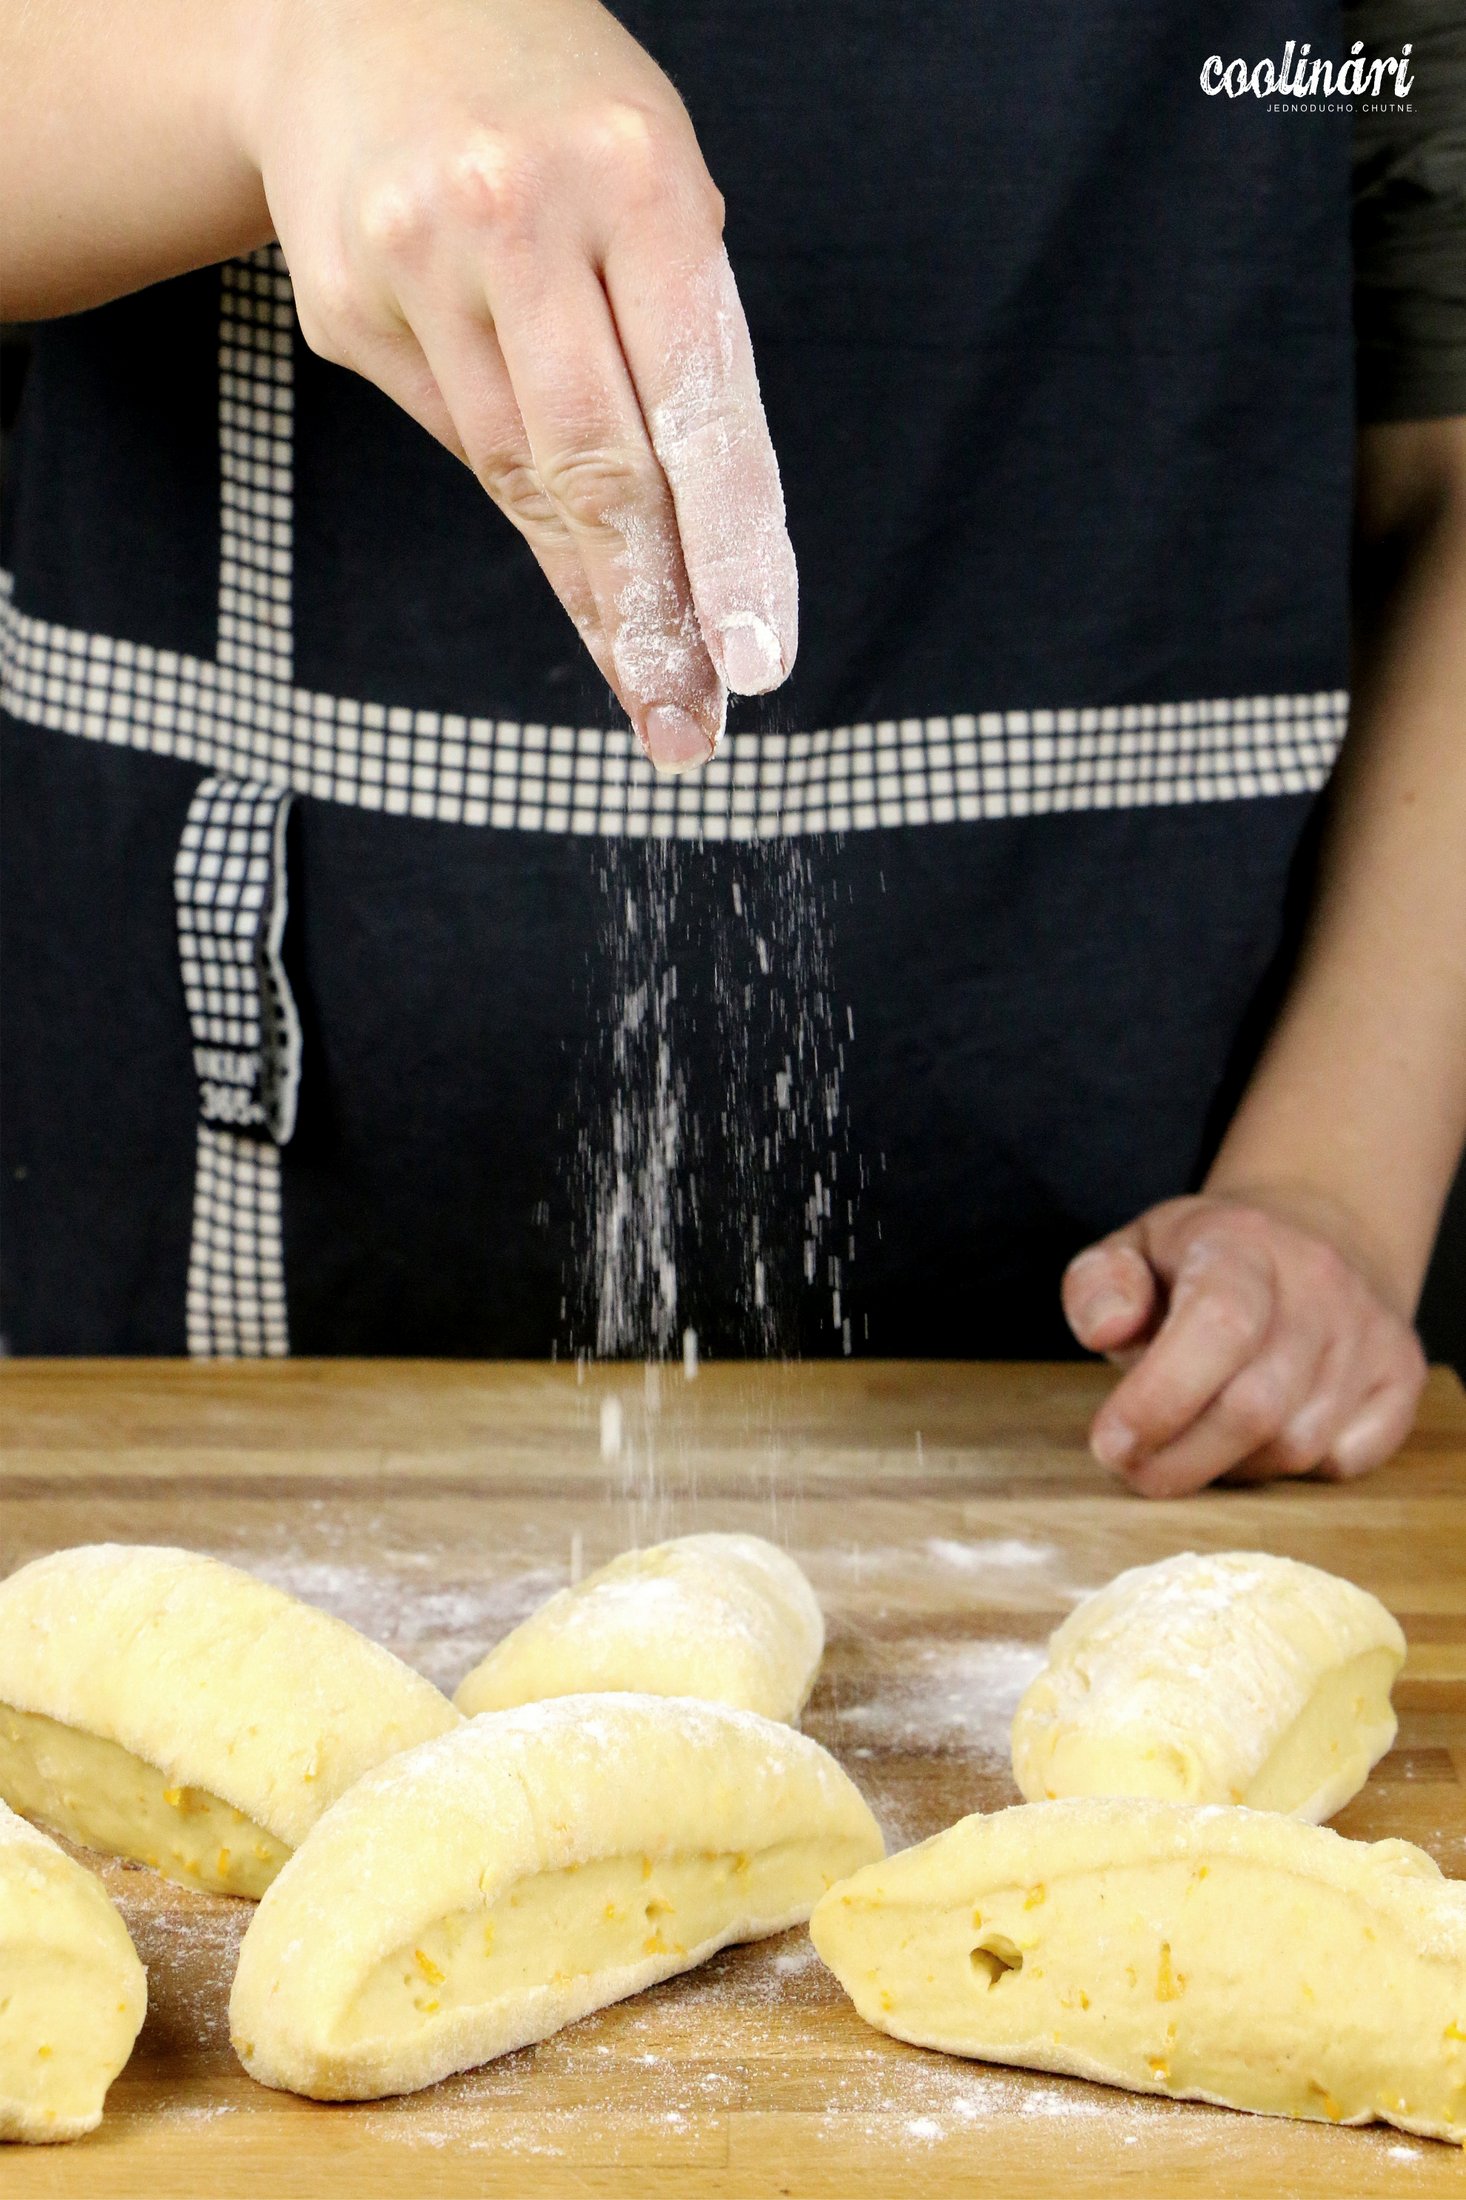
x=1308 y=84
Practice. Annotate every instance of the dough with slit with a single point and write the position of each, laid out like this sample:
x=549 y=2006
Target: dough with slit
x=1207 y=1952
x=174 y=1710
x=72 y=1992
x=488 y=1888
x=727 y=1617
x=1229 y=1677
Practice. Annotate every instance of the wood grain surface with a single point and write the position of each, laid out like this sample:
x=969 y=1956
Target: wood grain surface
x=949 y=1517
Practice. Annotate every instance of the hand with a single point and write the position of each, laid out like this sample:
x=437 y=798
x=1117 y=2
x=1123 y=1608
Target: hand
x=497 y=211
x=1252 y=1343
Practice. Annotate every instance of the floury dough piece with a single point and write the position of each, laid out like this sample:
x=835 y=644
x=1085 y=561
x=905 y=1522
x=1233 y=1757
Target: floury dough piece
x=726 y=1617
x=72 y=1992
x=490 y=1887
x=1233 y=1677
x=1210 y=1953
x=171 y=1709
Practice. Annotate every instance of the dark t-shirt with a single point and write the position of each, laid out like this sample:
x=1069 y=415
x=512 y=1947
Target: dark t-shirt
x=956 y=956
x=1410 y=216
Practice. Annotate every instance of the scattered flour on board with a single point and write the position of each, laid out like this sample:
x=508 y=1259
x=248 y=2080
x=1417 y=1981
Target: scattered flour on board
x=1002 y=1572
x=710 y=2036
x=952 y=1695
x=189 y=1953
x=1000 y=1554
x=441 y=1631
x=792 y=1962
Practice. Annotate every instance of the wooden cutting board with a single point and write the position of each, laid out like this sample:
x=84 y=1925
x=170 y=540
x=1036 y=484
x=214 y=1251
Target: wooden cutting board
x=949 y=1517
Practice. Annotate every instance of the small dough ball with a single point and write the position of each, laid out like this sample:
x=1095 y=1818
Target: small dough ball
x=1209 y=1953
x=72 y=1992
x=168 y=1708
x=490 y=1887
x=1233 y=1677
x=726 y=1617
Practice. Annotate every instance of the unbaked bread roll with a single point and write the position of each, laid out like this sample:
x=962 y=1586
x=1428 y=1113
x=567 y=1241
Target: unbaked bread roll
x=1233 y=1677
x=171 y=1709
x=482 y=1891
x=1210 y=1953
x=72 y=1992
x=727 y=1617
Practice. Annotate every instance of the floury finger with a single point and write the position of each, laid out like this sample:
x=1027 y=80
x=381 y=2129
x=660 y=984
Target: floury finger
x=688 y=347
x=592 y=459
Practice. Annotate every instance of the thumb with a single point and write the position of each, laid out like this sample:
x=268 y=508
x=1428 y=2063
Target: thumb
x=1110 y=1294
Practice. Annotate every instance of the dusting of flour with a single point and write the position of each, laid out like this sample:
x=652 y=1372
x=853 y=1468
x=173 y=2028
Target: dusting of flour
x=949 y=1695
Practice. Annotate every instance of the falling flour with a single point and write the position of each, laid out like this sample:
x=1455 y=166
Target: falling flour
x=738 y=1183
x=785 y=1119
x=635 y=1178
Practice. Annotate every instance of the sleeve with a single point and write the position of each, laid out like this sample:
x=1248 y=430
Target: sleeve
x=1410 y=214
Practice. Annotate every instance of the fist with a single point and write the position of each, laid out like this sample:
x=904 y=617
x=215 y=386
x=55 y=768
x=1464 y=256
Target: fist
x=1252 y=1345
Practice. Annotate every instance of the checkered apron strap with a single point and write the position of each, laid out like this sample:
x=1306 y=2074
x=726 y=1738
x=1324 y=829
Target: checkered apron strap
x=230 y=895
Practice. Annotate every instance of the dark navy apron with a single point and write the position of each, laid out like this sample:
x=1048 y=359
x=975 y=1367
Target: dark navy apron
x=364 y=992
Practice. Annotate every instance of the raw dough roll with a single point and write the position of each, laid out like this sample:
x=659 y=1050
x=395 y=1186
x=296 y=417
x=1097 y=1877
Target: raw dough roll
x=72 y=1992
x=171 y=1709
x=1229 y=1678
x=1210 y=1953
x=490 y=1887
x=727 y=1617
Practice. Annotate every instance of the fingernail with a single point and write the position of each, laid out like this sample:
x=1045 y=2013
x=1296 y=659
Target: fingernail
x=1104 y=1307
x=1112 y=1443
x=1355 y=1447
x=753 y=661
x=1309 y=1425
x=675 y=740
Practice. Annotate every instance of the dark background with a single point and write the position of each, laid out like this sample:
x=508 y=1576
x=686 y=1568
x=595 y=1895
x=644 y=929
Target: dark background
x=1443 y=1310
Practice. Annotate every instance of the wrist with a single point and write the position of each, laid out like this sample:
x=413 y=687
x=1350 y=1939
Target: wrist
x=253 y=41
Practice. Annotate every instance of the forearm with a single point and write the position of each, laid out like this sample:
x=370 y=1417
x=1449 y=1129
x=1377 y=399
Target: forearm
x=122 y=158
x=1356 y=1114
